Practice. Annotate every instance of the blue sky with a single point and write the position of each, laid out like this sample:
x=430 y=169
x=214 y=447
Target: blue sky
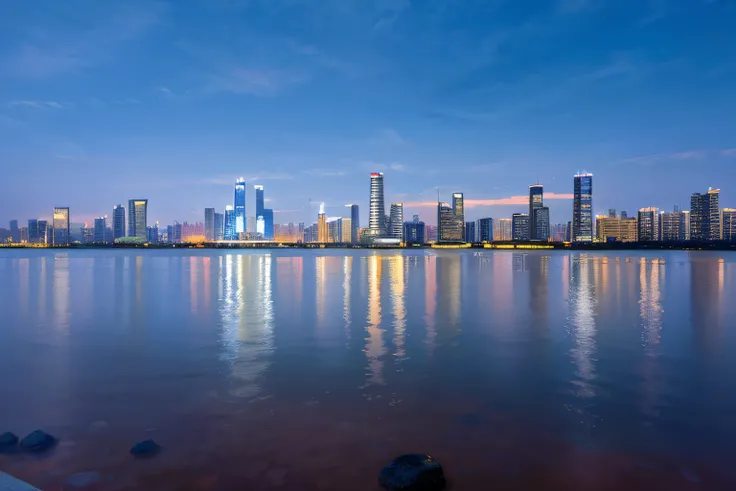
x=105 y=101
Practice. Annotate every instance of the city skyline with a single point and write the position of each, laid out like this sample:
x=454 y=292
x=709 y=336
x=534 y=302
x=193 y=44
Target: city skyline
x=305 y=98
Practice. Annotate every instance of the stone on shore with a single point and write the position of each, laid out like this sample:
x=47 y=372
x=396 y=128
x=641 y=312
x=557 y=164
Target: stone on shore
x=146 y=448
x=8 y=442
x=38 y=441
x=413 y=472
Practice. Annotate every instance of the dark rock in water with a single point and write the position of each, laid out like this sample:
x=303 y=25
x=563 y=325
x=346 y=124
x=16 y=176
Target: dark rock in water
x=414 y=472
x=38 y=441
x=8 y=442
x=146 y=448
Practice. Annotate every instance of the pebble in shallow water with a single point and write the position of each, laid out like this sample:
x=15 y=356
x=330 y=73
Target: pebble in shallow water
x=413 y=472
x=8 y=442
x=146 y=448
x=38 y=441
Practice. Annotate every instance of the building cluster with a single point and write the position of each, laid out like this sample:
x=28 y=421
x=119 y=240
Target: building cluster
x=705 y=221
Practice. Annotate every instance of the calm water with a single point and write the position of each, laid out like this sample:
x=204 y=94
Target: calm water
x=308 y=370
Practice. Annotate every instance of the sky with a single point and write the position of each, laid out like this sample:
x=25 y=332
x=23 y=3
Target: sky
x=101 y=102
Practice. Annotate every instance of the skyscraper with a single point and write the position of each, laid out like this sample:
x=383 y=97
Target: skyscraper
x=470 y=232
x=536 y=200
x=458 y=208
x=209 y=224
x=219 y=226
x=728 y=224
x=541 y=223
x=415 y=232
x=648 y=225
x=153 y=234
x=346 y=230
x=484 y=229
x=582 y=208
x=100 y=228
x=520 y=226
x=323 y=234
x=138 y=218
x=685 y=224
x=118 y=222
x=267 y=214
x=503 y=228
x=672 y=226
x=33 y=231
x=259 y=200
x=239 y=203
x=43 y=232
x=397 y=221
x=62 y=230
x=230 y=233
x=705 y=216
x=377 y=216
x=14 y=231
x=449 y=228
x=354 y=222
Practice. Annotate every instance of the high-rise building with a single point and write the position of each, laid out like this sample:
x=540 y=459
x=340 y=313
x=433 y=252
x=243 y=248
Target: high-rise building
x=415 y=232
x=559 y=232
x=397 y=221
x=33 y=231
x=504 y=229
x=24 y=234
x=239 y=207
x=458 y=208
x=219 y=226
x=267 y=214
x=153 y=234
x=614 y=229
x=672 y=226
x=624 y=215
x=705 y=216
x=14 y=231
x=520 y=226
x=648 y=225
x=484 y=229
x=582 y=208
x=323 y=234
x=355 y=222
x=251 y=225
x=230 y=233
x=611 y=213
x=100 y=229
x=377 y=216
x=728 y=224
x=62 y=224
x=209 y=224
x=449 y=228
x=259 y=200
x=541 y=223
x=118 y=222
x=346 y=230
x=138 y=218
x=470 y=232
x=685 y=224
x=43 y=232
x=300 y=232
x=536 y=200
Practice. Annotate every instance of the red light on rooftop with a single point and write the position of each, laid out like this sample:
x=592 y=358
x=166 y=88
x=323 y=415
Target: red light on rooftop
x=376 y=174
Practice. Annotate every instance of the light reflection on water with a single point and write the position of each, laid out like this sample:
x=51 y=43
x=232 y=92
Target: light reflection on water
x=622 y=358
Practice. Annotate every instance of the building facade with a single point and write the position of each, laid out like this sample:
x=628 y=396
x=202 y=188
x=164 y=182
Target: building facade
x=470 y=232
x=484 y=229
x=458 y=208
x=118 y=222
x=377 y=213
x=502 y=229
x=648 y=225
x=239 y=207
x=323 y=233
x=397 y=221
x=536 y=201
x=62 y=226
x=260 y=200
x=415 y=232
x=540 y=228
x=449 y=229
x=672 y=226
x=582 y=208
x=267 y=214
x=728 y=224
x=209 y=224
x=705 y=216
x=33 y=231
x=229 y=231
x=354 y=221
x=520 y=226
x=100 y=230
x=138 y=218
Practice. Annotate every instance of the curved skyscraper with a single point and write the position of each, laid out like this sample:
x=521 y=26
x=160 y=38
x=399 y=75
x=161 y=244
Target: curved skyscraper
x=377 y=216
x=239 y=207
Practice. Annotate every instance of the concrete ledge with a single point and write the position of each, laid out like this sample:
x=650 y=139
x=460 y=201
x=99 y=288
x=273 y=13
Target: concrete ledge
x=9 y=483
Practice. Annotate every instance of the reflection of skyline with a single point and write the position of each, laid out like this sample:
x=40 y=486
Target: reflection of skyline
x=374 y=348
x=582 y=326
x=320 y=273
x=61 y=291
x=707 y=279
x=650 y=307
x=450 y=267
x=430 y=300
x=398 y=286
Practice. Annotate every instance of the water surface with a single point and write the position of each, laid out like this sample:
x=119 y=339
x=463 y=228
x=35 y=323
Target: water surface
x=309 y=370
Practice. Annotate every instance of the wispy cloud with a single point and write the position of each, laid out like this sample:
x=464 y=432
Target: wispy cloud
x=729 y=152
x=254 y=81
x=249 y=179
x=665 y=157
x=388 y=137
x=37 y=104
x=325 y=172
x=383 y=167
x=511 y=200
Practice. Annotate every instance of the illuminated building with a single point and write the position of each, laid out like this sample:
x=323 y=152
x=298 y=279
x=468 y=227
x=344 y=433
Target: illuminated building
x=153 y=237
x=559 y=232
x=24 y=234
x=239 y=207
x=610 y=229
x=449 y=229
x=502 y=229
x=672 y=226
x=118 y=222
x=300 y=232
x=582 y=208
x=259 y=200
x=624 y=214
x=138 y=218
x=520 y=226
x=100 y=230
x=685 y=224
x=267 y=214
x=355 y=222
x=458 y=208
x=648 y=225
x=415 y=231
x=484 y=229
x=536 y=201
x=540 y=230
x=611 y=213
x=62 y=231
x=14 y=231
x=397 y=221
x=209 y=223
x=43 y=232
x=469 y=232
x=431 y=232
x=323 y=234
x=230 y=223
x=728 y=224
x=377 y=216
x=219 y=225
x=705 y=216
x=33 y=231
x=346 y=230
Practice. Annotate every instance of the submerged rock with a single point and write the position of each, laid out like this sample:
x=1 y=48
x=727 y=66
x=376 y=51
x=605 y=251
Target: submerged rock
x=413 y=472
x=8 y=442
x=38 y=441
x=146 y=448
